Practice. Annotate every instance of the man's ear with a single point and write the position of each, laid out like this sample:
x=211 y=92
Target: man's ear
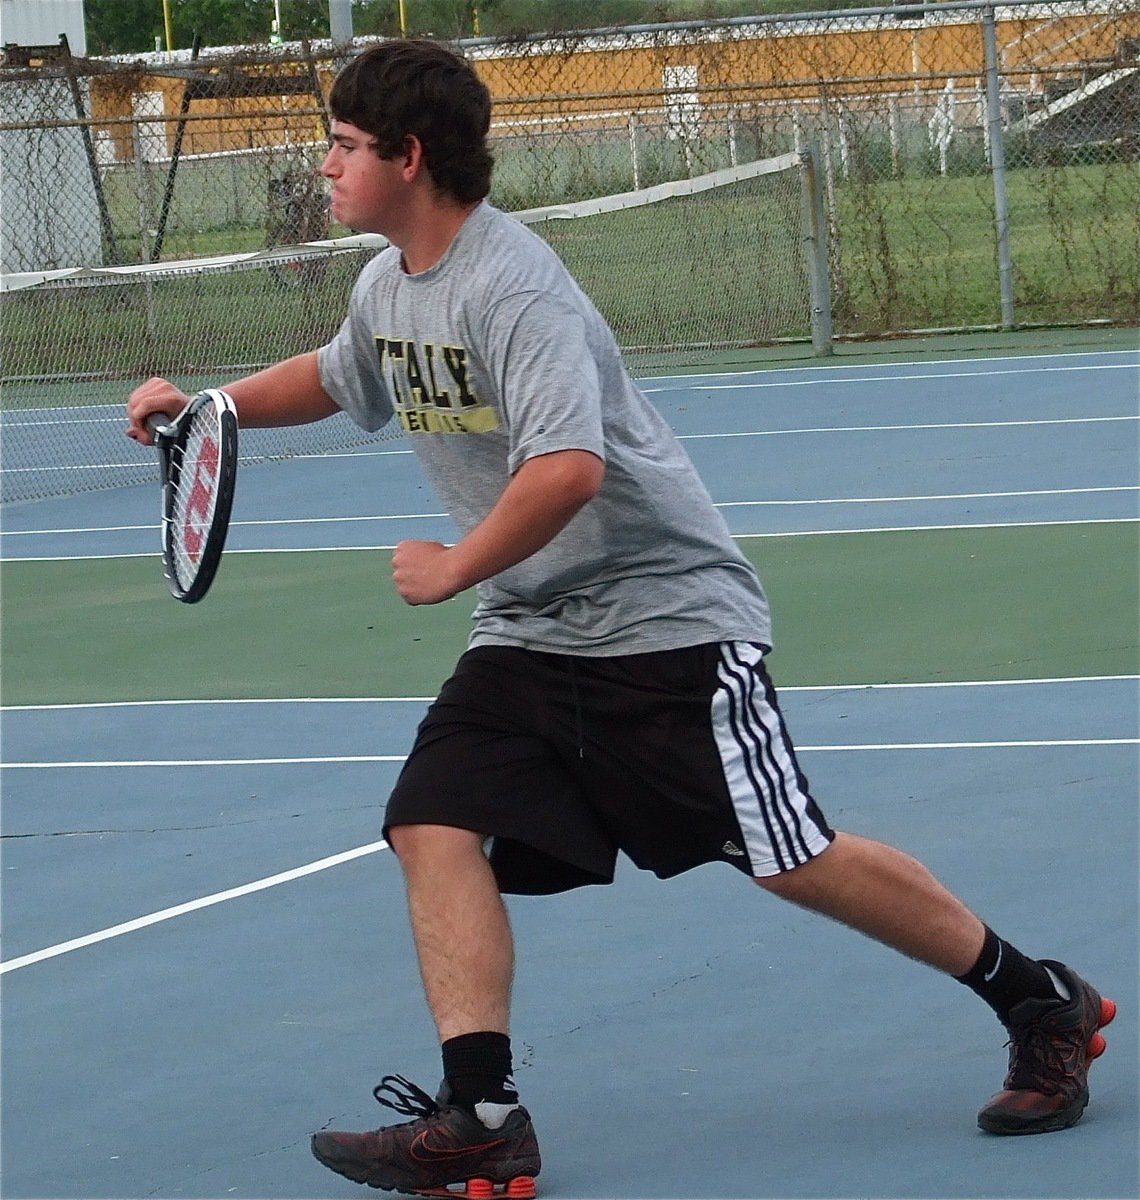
x=413 y=161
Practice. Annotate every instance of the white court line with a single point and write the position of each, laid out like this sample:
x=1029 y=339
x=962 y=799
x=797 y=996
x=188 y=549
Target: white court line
x=698 y=437
x=96 y=764
x=809 y=687
x=1081 y=491
x=1030 y=743
x=827 y=370
x=115 y=764
x=151 y=526
x=684 y=437
x=728 y=387
x=258 y=885
x=267 y=700
x=248 y=459
x=167 y=914
x=833 y=367
x=958 y=526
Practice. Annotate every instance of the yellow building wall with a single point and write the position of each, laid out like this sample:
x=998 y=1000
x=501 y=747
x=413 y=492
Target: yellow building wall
x=619 y=73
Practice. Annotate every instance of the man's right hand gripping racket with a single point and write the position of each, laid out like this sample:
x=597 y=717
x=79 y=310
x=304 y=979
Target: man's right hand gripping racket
x=198 y=455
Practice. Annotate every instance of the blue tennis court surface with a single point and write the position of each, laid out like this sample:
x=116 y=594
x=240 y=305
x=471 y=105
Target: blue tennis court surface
x=206 y=953
x=1032 y=438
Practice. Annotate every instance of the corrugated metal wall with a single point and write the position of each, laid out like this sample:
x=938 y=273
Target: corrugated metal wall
x=40 y=22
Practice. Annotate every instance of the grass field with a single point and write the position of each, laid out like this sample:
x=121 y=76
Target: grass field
x=921 y=253
x=1012 y=603
x=911 y=253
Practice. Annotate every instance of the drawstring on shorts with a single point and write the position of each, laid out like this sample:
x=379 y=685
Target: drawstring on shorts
x=578 y=730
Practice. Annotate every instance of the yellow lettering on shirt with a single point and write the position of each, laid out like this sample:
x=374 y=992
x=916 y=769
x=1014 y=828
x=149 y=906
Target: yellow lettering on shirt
x=431 y=387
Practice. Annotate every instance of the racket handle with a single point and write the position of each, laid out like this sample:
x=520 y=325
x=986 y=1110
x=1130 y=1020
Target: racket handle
x=157 y=421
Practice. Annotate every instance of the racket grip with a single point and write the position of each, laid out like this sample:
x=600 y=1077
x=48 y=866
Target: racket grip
x=157 y=421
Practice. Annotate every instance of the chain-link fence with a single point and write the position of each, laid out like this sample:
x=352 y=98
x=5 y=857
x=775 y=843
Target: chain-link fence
x=76 y=341
x=981 y=164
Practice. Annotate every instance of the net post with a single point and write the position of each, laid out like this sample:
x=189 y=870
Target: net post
x=815 y=250
x=997 y=167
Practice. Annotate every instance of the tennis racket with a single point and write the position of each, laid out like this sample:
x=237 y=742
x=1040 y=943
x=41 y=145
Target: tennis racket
x=198 y=455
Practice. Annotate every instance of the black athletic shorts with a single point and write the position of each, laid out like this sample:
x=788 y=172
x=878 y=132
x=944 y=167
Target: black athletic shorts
x=676 y=758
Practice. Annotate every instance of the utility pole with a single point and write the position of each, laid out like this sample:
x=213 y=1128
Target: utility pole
x=340 y=22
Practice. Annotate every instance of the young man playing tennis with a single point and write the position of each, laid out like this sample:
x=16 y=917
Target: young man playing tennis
x=614 y=695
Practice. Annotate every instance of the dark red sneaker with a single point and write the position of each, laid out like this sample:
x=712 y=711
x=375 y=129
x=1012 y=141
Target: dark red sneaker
x=1051 y=1044
x=444 y=1146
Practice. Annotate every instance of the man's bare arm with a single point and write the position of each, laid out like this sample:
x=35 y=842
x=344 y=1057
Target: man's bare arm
x=289 y=393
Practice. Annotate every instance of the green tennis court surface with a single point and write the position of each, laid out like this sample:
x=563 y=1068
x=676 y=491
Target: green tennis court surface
x=911 y=606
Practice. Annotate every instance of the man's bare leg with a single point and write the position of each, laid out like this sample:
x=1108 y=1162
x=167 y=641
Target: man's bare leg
x=463 y=939
x=889 y=896
x=1052 y=1015
x=461 y=928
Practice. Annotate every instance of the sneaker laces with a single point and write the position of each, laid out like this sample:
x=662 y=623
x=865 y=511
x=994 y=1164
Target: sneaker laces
x=1036 y=1061
x=406 y=1098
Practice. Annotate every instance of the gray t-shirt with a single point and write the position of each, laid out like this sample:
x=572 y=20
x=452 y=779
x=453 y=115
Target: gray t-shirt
x=495 y=355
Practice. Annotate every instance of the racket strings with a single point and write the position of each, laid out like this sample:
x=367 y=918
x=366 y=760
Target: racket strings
x=197 y=471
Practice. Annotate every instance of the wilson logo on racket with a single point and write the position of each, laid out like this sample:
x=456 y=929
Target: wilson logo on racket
x=198 y=456
x=196 y=521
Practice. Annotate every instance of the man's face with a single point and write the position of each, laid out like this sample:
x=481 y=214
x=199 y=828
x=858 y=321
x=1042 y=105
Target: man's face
x=367 y=191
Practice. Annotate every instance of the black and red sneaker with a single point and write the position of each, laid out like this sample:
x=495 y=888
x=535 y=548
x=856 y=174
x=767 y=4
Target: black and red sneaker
x=1051 y=1044
x=443 y=1147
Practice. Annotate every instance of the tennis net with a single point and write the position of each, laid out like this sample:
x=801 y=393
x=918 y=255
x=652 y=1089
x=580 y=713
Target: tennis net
x=682 y=271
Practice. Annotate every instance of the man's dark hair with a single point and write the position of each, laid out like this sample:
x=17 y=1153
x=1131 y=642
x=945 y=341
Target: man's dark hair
x=419 y=87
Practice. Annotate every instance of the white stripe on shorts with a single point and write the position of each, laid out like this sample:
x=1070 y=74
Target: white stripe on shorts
x=773 y=809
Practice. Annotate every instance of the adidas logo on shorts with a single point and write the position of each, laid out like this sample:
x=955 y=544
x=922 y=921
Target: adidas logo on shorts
x=733 y=849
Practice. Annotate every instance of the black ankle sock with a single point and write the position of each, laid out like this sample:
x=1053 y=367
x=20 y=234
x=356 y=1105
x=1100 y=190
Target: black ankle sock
x=1003 y=977
x=477 y=1067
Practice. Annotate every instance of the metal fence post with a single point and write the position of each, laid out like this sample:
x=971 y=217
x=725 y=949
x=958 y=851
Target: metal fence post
x=997 y=166
x=142 y=189
x=815 y=249
x=632 y=121
x=340 y=23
